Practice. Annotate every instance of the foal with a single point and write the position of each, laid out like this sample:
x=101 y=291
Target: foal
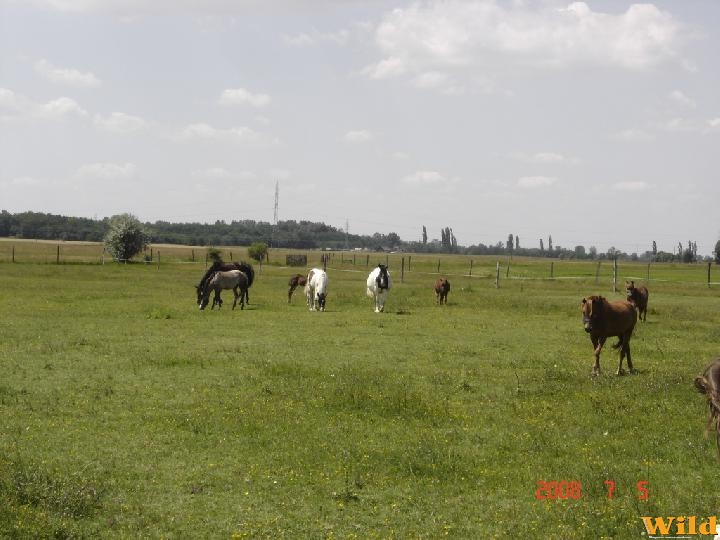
x=709 y=384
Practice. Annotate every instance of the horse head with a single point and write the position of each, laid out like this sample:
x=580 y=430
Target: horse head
x=591 y=308
x=321 y=300
x=630 y=289
x=382 y=280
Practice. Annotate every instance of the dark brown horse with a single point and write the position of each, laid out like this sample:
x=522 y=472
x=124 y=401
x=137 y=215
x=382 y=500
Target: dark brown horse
x=603 y=319
x=639 y=297
x=231 y=279
x=220 y=266
x=442 y=288
x=709 y=384
x=298 y=280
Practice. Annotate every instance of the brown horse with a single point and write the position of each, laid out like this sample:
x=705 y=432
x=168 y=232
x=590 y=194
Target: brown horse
x=603 y=319
x=639 y=297
x=442 y=288
x=232 y=279
x=220 y=266
x=709 y=384
x=298 y=280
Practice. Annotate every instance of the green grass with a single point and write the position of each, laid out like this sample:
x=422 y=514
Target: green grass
x=126 y=412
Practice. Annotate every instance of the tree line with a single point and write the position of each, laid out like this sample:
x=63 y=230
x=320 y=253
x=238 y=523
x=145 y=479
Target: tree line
x=311 y=235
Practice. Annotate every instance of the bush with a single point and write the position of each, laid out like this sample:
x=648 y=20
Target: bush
x=126 y=237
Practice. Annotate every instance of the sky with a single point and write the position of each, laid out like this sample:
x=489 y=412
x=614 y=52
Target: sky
x=595 y=123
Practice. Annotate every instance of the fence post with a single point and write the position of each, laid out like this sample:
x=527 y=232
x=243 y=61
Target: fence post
x=192 y=255
x=471 y=263
x=615 y=274
x=552 y=269
x=409 y=259
x=158 y=260
x=497 y=275
x=402 y=270
x=709 y=266
x=367 y=260
x=13 y=253
x=597 y=273
x=507 y=271
x=438 y=270
x=57 y=257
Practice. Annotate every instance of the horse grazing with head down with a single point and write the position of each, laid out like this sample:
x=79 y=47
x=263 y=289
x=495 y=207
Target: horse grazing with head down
x=298 y=280
x=232 y=279
x=316 y=289
x=639 y=297
x=709 y=384
x=442 y=288
x=220 y=266
x=603 y=319
x=378 y=284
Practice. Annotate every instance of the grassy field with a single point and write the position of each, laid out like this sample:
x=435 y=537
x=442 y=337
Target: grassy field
x=126 y=412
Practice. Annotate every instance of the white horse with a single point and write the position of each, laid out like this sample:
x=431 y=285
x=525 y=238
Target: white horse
x=232 y=279
x=378 y=283
x=316 y=289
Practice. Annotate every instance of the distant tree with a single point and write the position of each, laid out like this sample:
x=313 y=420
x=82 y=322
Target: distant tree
x=654 y=249
x=580 y=252
x=550 y=243
x=717 y=252
x=126 y=237
x=510 y=243
x=214 y=254
x=593 y=252
x=393 y=239
x=542 y=247
x=424 y=235
x=257 y=251
x=517 y=242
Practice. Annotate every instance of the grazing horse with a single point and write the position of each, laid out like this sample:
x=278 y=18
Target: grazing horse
x=231 y=279
x=378 y=284
x=709 y=384
x=442 y=288
x=639 y=297
x=220 y=266
x=298 y=280
x=603 y=319
x=316 y=289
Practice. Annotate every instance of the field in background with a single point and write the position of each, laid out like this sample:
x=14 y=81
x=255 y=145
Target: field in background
x=125 y=411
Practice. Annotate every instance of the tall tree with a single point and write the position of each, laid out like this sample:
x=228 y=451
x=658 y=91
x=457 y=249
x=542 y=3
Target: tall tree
x=517 y=242
x=424 y=235
x=717 y=252
x=550 y=243
x=126 y=237
x=542 y=247
x=510 y=242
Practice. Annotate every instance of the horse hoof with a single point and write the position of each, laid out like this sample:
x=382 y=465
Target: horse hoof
x=620 y=372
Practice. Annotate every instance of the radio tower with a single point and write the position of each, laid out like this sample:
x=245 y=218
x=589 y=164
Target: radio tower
x=277 y=196
x=275 y=213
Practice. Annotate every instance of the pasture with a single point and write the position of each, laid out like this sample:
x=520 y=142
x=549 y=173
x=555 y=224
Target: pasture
x=127 y=412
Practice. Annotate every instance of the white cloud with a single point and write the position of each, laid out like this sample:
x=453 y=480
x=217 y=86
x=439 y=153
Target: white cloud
x=544 y=158
x=303 y=39
x=106 y=171
x=535 y=181
x=713 y=125
x=240 y=96
x=679 y=98
x=70 y=77
x=630 y=186
x=60 y=108
x=358 y=136
x=454 y=35
x=424 y=178
x=118 y=122
x=213 y=173
x=237 y=135
x=635 y=135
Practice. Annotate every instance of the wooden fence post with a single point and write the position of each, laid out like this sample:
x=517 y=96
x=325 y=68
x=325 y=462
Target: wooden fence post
x=57 y=257
x=438 y=270
x=158 y=260
x=192 y=255
x=497 y=275
x=709 y=266
x=471 y=263
x=552 y=269
x=13 y=253
x=409 y=259
x=597 y=273
x=402 y=270
x=367 y=260
x=615 y=274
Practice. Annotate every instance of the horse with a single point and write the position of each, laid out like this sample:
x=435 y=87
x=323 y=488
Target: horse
x=378 y=284
x=639 y=297
x=316 y=289
x=603 y=319
x=709 y=384
x=442 y=288
x=298 y=280
x=220 y=266
x=231 y=279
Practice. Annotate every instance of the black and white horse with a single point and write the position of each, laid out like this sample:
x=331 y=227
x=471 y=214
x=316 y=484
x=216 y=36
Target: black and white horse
x=378 y=284
x=316 y=289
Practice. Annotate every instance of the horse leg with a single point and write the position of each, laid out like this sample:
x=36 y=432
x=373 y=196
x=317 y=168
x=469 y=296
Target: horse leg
x=597 y=349
x=235 y=294
x=243 y=293
x=290 y=292
x=626 y=347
